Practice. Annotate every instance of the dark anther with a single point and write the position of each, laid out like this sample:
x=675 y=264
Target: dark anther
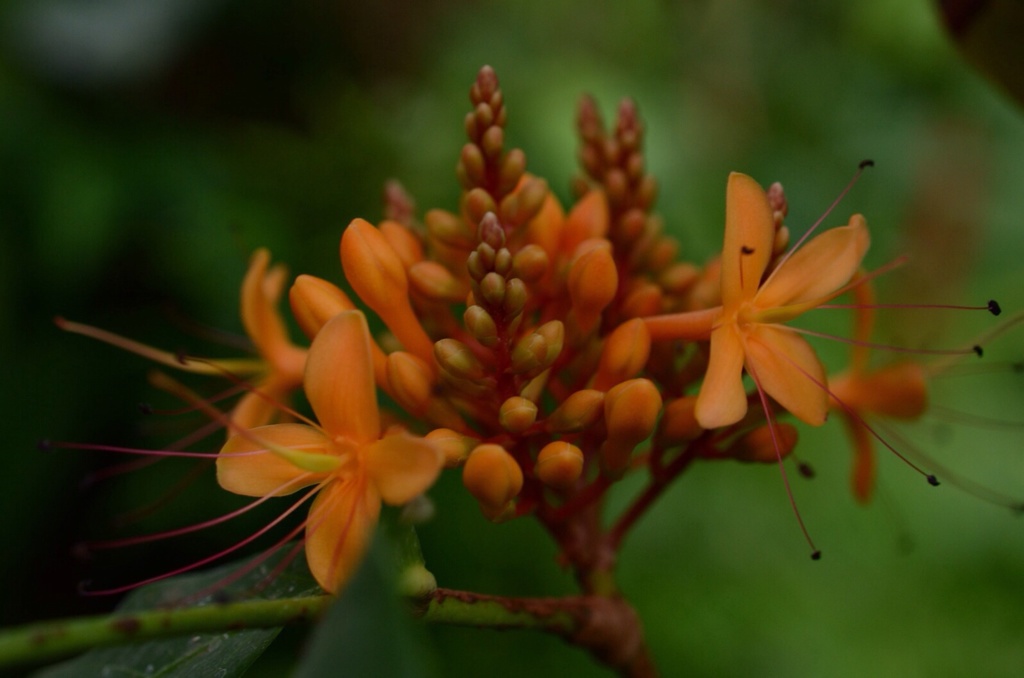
x=866 y=163
x=747 y=250
x=806 y=470
x=44 y=445
x=933 y=481
x=816 y=555
x=145 y=408
x=993 y=307
x=978 y=350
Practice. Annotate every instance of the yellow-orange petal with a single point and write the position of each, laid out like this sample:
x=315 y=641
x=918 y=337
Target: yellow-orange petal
x=314 y=301
x=261 y=290
x=749 y=234
x=402 y=466
x=339 y=380
x=260 y=474
x=819 y=268
x=899 y=390
x=588 y=218
x=258 y=407
x=789 y=371
x=340 y=525
x=723 y=399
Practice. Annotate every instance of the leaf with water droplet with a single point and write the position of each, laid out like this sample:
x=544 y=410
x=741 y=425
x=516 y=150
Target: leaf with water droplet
x=225 y=655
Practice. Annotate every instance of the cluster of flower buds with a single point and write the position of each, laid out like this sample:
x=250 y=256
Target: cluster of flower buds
x=545 y=352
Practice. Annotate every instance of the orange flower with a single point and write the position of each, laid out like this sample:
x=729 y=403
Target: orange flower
x=747 y=330
x=352 y=465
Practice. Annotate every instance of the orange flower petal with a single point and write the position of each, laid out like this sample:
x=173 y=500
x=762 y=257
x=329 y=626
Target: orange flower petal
x=257 y=475
x=749 y=236
x=402 y=466
x=261 y=290
x=341 y=523
x=722 y=399
x=865 y=461
x=819 y=268
x=787 y=368
x=339 y=381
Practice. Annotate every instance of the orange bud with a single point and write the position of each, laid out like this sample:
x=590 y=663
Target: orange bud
x=898 y=391
x=624 y=354
x=493 y=477
x=678 y=421
x=545 y=229
x=314 y=301
x=492 y=289
x=678 y=278
x=593 y=281
x=579 y=411
x=530 y=263
x=589 y=218
x=559 y=465
x=644 y=299
x=522 y=205
x=411 y=382
x=455 y=446
x=759 y=446
x=630 y=413
x=517 y=414
x=435 y=282
x=378 y=277
x=404 y=241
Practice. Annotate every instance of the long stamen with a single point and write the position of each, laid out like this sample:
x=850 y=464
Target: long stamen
x=209 y=559
x=864 y=164
x=175 y=360
x=167 y=534
x=976 y=349
x=770 y=416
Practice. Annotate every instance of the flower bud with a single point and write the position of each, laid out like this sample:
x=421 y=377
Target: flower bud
x=759 y=445
x=678 y=421
x=411 y=382
x=455 y=446
x=450 y=229
x=579 y=411
x=517 y=414
x=490 y=231
x=471 y=167
x=593 y=281
x=630 y=413
x=404 y=241
x=644 y=299
x=513 y=166
x=477 y=204
x=493 y=141
x=589 y=218
x=530 y=263
x=529 y=353
x=492 y=289
x=493 y=477
x=624 y=354
x=314 y=301
x=481 y=325
x=456 y=359
x=678 y=277
x=378 y=277
x=553 y=332
x=559 y=465
x=435 y=282
x=515 y=298
x=521 y=206
x=545 y=229
x=503 y=262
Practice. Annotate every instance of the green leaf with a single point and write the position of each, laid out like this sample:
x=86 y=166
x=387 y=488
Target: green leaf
x=368 y=631
x=221 y=655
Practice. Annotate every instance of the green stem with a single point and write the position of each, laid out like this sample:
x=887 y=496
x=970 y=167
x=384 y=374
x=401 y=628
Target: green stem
x=49 y=640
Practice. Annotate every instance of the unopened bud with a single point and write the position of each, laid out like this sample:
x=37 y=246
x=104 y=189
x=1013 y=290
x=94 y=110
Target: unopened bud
x=450 y=229
x=490 y=231
x=559 y=465
x=493 y=141
x=456 y=359
x=529 y=354
x=503 y=262
x=513 y=166
x=630 y=414
x=765 y=444
x=404 y=241
x=678 y=278
x=477 y=204
x=455 y=446
x=553 y=332
x=530 y=263
x=624 y=354
x=515 y=298
x=644 y=299
x=593 y=281
x=519 y=207
x=435 y=282
x=314 y=301
x=517 y=414
x=589 y=218
x=579 y=411
x=411 y=382
x=678 y=422
x=481 y=325
x=493 y=477
x=471 y=167
x=492 y=289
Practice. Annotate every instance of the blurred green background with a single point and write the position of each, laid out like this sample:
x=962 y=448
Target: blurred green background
x=146 y=148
